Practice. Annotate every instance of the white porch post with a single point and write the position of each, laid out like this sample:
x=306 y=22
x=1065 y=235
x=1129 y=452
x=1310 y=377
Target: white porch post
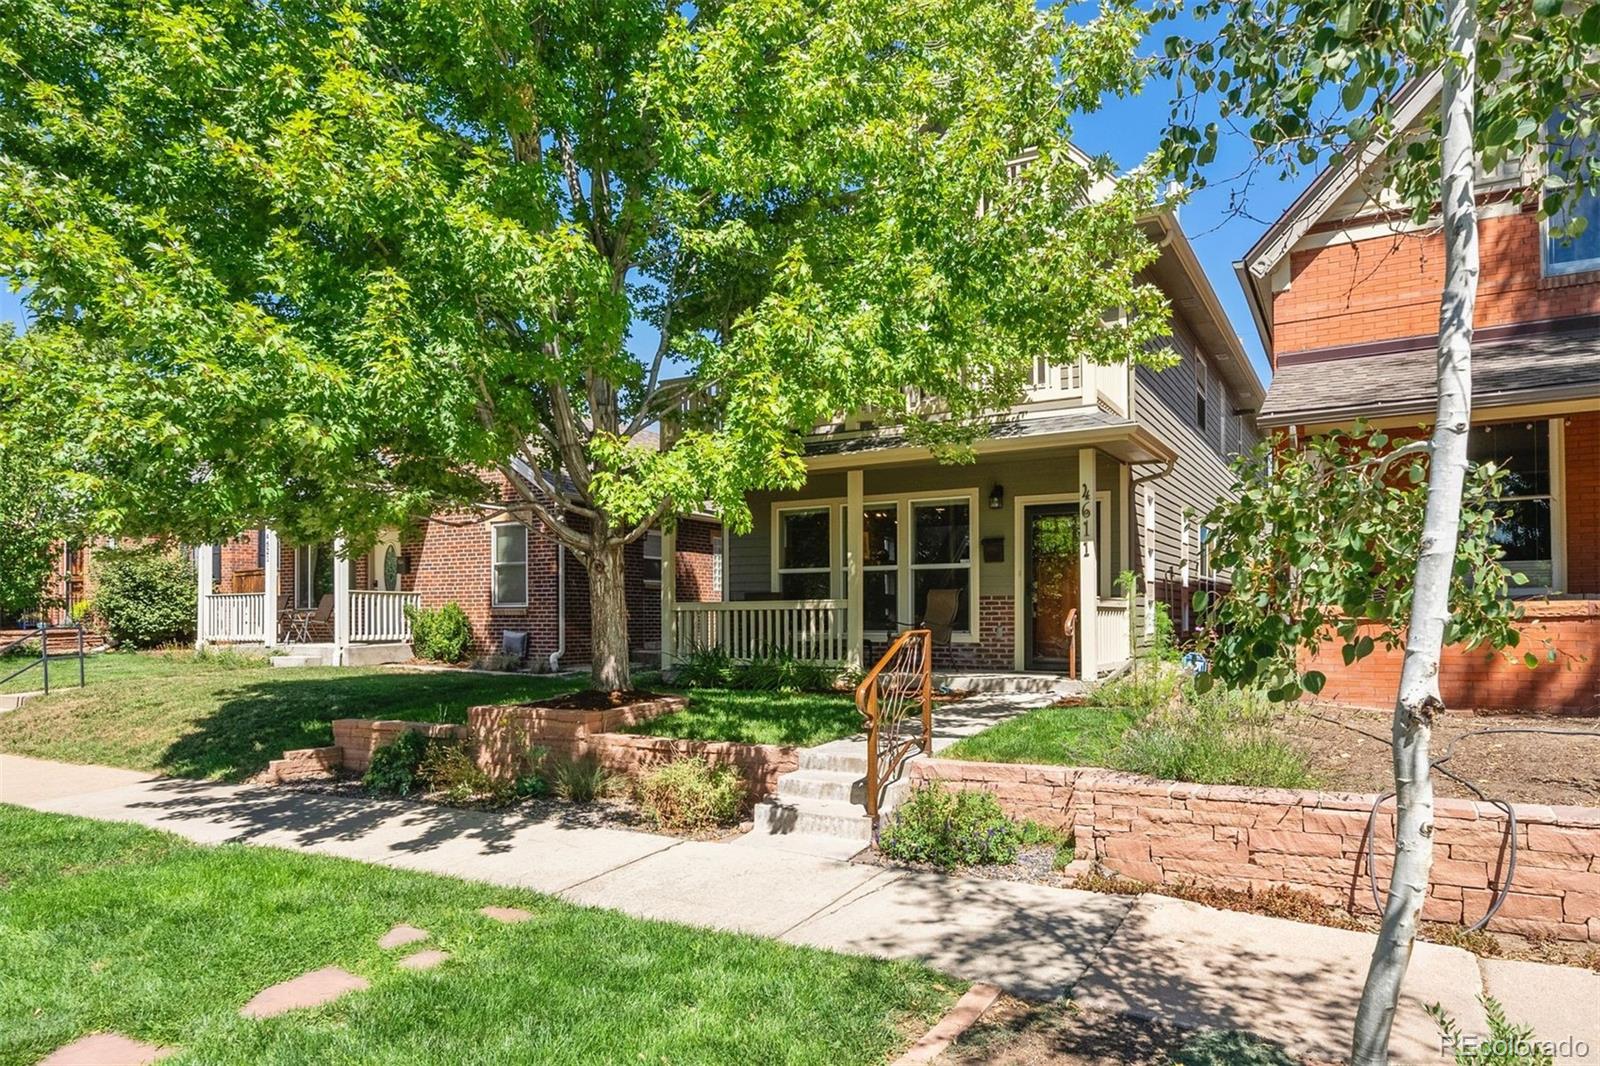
x=1088 y=569
x=1149 y=563
x=269 y=586
x=669 y=596
x=341 y=600
x=202 y=566
x=855 y=578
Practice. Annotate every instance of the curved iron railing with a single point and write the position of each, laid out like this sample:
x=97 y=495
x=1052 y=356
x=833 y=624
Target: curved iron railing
x=896 y=699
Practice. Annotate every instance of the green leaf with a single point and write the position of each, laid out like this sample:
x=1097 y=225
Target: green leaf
x=1348 y=21
x=1204 y=682
x=1531 y=660
x=1547 y=9
x=1314 y=681
x=1589 y=25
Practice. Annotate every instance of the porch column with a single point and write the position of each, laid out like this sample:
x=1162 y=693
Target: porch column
x=269 y=585
x=202 y=566
x=1088 y=569
x=855 y=578
x=669 y=595
x=341 y=600
x=1149 y=564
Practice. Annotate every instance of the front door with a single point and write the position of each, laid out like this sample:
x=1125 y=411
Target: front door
x=384 y=566
x=1051 y=566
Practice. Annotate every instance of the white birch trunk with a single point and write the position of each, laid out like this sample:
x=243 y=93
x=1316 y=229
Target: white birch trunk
x=1419 y=698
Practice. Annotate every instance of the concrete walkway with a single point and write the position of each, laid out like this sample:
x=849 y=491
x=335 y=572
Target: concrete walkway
x=1151 y=956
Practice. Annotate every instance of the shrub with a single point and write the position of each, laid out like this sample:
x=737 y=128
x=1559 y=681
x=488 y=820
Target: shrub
x=781 y=671
x=393 y=770
x=1507 y=1044
x=689 y=795
x=1220 y=737
x=449 y=771
x=949 y=829
x=581 y=780
x=145 y=596
x=1230 y=1047
x=442 y=635
x=707 y=668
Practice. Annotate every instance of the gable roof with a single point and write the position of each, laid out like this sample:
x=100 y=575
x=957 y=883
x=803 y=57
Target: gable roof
x=1325 y=192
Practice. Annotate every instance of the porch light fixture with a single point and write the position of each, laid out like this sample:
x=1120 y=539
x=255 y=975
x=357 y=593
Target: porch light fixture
x=997 y=496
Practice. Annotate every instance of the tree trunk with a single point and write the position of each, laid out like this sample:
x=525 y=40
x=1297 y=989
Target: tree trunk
x=608 y=618
x=1419 y=698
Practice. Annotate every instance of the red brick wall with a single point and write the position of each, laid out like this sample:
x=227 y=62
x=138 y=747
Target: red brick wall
x=1485 y=680
x=1166 y=832
x=993 y=650
x=1388 y=287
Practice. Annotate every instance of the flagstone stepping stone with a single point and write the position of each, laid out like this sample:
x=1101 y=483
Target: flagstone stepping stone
x=509 y=915
x=106 y=1049
x=401 y=935
x=308 y=990
x=424 y=960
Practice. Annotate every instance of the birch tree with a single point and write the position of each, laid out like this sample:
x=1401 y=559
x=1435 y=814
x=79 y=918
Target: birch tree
x=1316 y=81
x=329 y=265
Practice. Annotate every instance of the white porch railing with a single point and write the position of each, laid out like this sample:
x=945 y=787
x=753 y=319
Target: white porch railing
x=381 y=616
x=234 y=616
x=1112 y=634
x=806 y=629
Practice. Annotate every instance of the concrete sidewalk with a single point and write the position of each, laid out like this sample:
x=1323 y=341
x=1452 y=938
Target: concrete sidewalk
x=1150 y=957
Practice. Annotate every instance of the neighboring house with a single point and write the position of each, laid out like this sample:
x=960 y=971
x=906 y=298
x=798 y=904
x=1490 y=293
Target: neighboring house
x=1102 y=469
x=1346 y=292
x=507 y=577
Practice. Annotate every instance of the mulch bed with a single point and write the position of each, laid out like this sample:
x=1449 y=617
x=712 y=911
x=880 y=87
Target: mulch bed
x=590 y=700
x=1349 y=752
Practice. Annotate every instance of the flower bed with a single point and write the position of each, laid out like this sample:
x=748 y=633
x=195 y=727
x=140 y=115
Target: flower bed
x=1168 y=832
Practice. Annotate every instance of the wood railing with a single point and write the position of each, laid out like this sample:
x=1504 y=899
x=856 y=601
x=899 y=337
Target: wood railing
x=376 y=616
x=238 y=616
x=1112 y=635
x=814 y=630
x=896 y=699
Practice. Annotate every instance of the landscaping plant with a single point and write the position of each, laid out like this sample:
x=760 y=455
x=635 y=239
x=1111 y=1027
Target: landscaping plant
x=581 y=780
x=689 y=795
x=145 y=596
x=946 y=828
x=1506 y=1043
x=783 y=671
x=1218 y=737
x=449 y=771
x=707 y=668
x=1324 y=81
x=394 y=767
x=442 y=634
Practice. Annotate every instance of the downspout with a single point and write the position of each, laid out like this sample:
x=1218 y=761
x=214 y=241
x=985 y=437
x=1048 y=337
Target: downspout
x=561 y=608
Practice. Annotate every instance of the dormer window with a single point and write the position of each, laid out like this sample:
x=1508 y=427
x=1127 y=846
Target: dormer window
x=1564 y=254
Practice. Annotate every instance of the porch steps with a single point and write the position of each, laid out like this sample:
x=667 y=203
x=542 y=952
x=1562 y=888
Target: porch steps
x=306 y=655
x=833 y=786
x=999 y=682
x=818 y=809
x=12 y=701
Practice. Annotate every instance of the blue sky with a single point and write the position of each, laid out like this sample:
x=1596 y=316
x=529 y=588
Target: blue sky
x=1127 y=130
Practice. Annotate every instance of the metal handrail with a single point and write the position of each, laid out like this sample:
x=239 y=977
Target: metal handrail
x=900 y=681
x=42 y=634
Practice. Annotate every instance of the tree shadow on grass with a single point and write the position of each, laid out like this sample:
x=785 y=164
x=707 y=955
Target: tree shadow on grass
x=256 y=722
x=799 y=718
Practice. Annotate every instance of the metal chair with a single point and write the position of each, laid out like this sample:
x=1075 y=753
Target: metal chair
x=939 y=614
x=301 y=620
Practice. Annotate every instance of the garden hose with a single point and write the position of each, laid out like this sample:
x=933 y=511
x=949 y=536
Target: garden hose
x=1369 y=837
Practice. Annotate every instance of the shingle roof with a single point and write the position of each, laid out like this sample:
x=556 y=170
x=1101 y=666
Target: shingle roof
x=1079 y=418
x=1404 y=382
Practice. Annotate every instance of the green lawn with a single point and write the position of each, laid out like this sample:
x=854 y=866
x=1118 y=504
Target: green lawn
x=802 y=718
x=115 y=927
x=1052 y=736
x=225 y=716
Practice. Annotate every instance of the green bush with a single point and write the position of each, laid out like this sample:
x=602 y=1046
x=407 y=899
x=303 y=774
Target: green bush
x=1507 y=1044
x=394 y=767
x=689 y=795
x=451 y=772
x=443 y=635
x=781 y=671
x=707 y=668
x=145 y=596
x=1145 y=690
x=581 y=780
x=1219 y=737
x=949 y=829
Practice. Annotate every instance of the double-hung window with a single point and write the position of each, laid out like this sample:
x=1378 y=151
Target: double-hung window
x=805 y=563
x=880 y=566
x=941 y=556
x=1573 y=160
x=652 y=558
x=1526 y=530
x=510 y=565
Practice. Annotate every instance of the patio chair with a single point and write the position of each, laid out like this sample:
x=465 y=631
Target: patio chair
x=301 y=621
x=939 y=613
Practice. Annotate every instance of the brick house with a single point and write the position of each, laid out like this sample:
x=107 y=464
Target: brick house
x=1100 y=470
x=1346 y=292
x=507 y=577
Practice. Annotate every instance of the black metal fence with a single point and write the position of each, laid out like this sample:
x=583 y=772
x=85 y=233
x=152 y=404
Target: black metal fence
x=18 y=649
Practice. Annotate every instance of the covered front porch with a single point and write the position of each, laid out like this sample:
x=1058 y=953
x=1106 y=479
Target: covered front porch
x=1014 y=561
x=316 y=604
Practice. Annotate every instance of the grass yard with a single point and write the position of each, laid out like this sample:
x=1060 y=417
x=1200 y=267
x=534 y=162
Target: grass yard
x=1051 y=736
x=115 y=927
x=754 y=717
x=224 y=716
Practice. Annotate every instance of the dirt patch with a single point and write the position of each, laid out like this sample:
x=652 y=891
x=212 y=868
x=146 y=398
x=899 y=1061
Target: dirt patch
x=589 y=700
x=1014 y=1032
x=1349 y=752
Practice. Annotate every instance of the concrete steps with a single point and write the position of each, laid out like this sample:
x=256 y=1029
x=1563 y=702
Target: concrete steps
x=12 y=701
x=304 y=655
x=832 y=786
x=813 y=817
x=999 y=682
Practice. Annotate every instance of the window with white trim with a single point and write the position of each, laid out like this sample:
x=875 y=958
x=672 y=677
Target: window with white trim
x=1526 y=530
x=1573 y=159
x=1204 y=554
x=652 y=558
x=716 y=566
x=510 y=584
x=880 y=566
x=941 y=555
x=805 y=563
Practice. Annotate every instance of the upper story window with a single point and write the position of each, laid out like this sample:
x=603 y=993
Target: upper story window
x=1564 y=254
x=652 y=558
x=510 y=565
x=1526 y=533
x=1200 y=391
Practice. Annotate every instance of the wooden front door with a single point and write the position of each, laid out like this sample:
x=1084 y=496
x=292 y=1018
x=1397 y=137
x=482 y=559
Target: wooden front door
x=1051 y=566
